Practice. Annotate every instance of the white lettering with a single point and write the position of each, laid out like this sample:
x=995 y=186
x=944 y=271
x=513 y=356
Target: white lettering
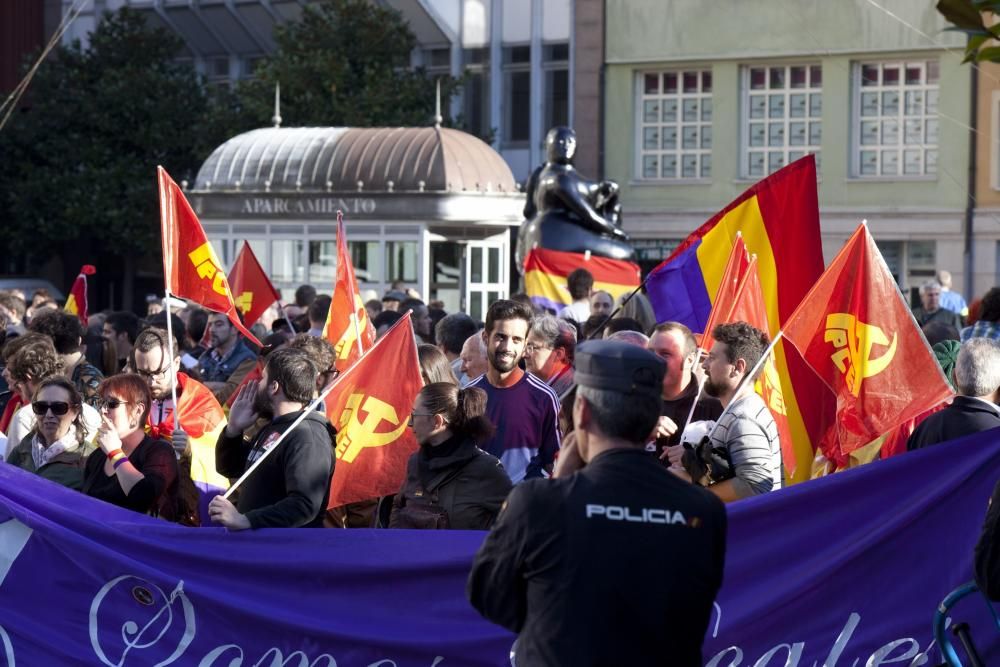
x=647 y=515
x=842 y=639
x=794 y=655
x=717 y=660
x=8 y=648
x=882 y=657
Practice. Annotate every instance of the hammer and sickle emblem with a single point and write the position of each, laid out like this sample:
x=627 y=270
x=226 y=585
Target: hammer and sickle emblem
x=244 y=302
x=356 y=433
x=356 y=322
x=854 y=340
x=205 y=263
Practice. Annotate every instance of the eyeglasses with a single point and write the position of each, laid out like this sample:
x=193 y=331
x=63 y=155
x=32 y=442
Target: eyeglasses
x=534 y=347
x=151 y=375
x=112 y=403
x=58 y=408
x=419 y=414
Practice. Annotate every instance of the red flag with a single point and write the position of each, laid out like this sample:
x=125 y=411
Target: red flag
x=190 y=266
x=251 y=287
x=347 y=319
x=370 y=406
x=732 y=277
x=76 y=303
x=856 y=332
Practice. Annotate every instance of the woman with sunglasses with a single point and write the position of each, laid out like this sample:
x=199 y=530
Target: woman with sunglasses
x=450 y=482
x=55 y=448
x=131 y=469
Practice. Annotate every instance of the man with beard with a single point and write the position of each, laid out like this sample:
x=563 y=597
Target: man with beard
x=674 y=343
x=746 y=429
x=524 y=410
x=291 y=487
x=225 y=365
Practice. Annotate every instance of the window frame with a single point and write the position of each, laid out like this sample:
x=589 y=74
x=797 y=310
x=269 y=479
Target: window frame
x=507 y=70
x=786 y=148
x=857 y=147
x=640 y=151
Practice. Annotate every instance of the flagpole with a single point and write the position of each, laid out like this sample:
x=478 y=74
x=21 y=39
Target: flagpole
x=743 y=380
x=166 y=208
x=305 y=413
x=288 y=319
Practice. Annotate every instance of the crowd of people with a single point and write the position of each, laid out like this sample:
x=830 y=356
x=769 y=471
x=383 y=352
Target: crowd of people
x=634 y=433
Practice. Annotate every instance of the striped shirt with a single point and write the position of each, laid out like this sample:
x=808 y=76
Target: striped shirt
x=981 y=329
x=526 y=417
x=749 y=433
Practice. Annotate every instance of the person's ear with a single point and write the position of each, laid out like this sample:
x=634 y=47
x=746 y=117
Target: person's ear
x=741 y=366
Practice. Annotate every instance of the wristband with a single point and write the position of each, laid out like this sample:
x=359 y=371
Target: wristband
x=113 y=453
x=119 y=462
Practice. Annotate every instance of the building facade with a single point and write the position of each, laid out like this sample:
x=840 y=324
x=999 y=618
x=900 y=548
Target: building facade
x=700 y=104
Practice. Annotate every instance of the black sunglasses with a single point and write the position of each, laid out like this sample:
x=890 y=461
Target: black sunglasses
x=112 y=403
x=59 y=408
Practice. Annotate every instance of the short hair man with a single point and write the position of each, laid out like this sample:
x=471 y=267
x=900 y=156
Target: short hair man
x=601 y=303
x=12 y=310
x=675 y=345
x=580 y=283
x=473 y=358
x=549 y=353
x=614 y=531
x=67 y=334
x=304 y=296
x=524 y=410
x=322 y=353
x=747 y=431
x=950 y=300
x=290 y=489
x=977 y=381
x=121 y=328
x=318 y=311
x=451 y=332
x=392 y=299
x=198 y=411
x=224 y=366
x=421 y=317
x=930 y=309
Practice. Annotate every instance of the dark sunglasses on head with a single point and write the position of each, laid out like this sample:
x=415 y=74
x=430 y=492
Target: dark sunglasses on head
x=59 y=408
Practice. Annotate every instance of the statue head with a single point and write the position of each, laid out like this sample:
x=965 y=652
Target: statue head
x=560 y=145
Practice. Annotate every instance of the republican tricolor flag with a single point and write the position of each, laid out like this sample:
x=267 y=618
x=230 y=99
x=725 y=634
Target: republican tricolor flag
x=370 y=406
x=347 y=327
x=190 y=267
x=76 y=303
x=778 y=218
x=251 y=287
x=545 y=273
x=856 y=332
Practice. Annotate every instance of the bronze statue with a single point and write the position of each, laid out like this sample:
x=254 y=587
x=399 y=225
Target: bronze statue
x=567 y=212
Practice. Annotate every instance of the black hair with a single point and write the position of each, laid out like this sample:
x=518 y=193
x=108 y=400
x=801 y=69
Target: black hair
x=305 y=295
x=464 y=409
x=453 y=330
x=505 y=309
x=294 y=372
x=64 y=329
x=124 y=322
x=580 y=282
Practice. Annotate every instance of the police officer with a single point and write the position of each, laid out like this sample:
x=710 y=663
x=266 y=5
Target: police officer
x=617 y=561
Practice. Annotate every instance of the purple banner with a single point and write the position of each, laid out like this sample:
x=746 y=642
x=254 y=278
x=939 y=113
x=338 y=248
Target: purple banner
x=841 y=571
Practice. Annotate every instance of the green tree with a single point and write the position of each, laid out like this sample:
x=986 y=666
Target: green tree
x=78 y=174
x=343 y=63
x=970 y=17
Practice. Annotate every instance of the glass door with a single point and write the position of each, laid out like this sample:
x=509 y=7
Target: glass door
x=486 y=267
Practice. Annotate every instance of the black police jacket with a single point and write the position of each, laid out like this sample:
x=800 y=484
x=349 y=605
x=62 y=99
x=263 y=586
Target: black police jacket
x=618 y=564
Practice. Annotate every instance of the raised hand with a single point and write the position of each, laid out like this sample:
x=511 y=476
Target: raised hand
x=243 y=413
x=107 y=436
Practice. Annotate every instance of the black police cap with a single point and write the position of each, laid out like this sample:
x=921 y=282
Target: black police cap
x=617 y=366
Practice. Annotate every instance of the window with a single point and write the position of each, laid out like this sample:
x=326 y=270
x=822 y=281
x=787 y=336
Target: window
x=675 y=125
x=782 y=110
x=896 y=132
x=364 y=256
x=555 y=63
x=910 y=262
x=322 y=262
x=286 y=261
x=517 y=94
x=401 y=261
x=476 y=94
x=649 y=253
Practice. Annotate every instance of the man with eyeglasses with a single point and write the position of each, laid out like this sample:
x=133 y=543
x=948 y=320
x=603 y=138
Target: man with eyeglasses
x=549 y=353
x=198 y=412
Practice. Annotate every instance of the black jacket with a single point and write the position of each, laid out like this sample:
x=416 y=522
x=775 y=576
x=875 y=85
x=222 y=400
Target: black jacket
x=466 y=482
x=963 y=417
x=988 y=550
x=618 y=564
x=290 y=489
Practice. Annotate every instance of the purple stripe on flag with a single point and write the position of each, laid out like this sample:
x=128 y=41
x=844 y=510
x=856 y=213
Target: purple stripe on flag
x=678 y=293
